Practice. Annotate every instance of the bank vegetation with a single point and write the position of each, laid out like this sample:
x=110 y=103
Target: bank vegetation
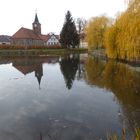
x=120 y=37
x=38 y=51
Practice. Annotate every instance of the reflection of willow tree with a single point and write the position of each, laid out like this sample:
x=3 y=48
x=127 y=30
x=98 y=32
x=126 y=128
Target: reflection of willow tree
x=121 y=80
x=69 y=66
x=94 y=71
x=125 y=86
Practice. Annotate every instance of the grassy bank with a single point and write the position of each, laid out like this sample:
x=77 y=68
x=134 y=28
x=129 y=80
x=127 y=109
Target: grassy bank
x=39 y=52
x=98 y=53
x=136 y=135
x=101 y=53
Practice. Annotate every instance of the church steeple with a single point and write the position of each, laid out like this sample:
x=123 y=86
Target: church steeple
x=36 y=25
x=36 y=18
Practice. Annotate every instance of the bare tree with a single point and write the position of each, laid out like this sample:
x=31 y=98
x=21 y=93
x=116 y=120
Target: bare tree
x=80 y=25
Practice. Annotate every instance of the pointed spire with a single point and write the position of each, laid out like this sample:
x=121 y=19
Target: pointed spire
x=36 y=18
x=36 y=25
x=41 y=136
x=39 y=81
x=39 y=73
x=39 y=77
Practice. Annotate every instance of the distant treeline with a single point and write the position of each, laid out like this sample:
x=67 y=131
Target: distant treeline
x=120 y=38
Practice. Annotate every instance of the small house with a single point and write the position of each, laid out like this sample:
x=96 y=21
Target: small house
x=5 y=40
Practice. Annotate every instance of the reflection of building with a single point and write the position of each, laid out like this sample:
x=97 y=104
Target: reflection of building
x=39 y=73
x=81 y=67
x=28 y=65
x=40 y=137
x=81 y=71
x=25 y=67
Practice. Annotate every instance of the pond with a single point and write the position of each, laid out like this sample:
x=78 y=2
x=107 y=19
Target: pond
x=75 y=97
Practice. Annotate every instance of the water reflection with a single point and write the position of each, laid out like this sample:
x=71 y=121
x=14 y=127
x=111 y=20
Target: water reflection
x=69 y=66
x=103 y=96
x=27 y=65
x=120 y=79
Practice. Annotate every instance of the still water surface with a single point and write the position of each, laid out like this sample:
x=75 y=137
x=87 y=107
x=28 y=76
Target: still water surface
x=67 y=98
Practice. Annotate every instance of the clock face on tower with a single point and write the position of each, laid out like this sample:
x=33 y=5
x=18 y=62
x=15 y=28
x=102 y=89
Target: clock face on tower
x=35 y=25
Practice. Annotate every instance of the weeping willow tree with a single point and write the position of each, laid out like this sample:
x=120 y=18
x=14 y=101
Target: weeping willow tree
x=95 y=30
x=123 y=38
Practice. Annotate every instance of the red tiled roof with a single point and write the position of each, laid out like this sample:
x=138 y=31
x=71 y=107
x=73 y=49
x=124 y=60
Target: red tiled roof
x=24 y=33
x=44 y=37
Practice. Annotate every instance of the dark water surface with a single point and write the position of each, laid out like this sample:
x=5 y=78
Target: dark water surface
x=67 y=98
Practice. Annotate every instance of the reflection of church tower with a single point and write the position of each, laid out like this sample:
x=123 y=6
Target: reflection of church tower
x=39 y=73
x=41 y=136
x=36 y=25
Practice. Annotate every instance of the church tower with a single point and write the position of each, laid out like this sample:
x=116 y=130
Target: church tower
x=36 y=25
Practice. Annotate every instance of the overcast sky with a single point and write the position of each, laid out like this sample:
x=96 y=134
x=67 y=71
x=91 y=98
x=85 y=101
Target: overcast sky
x=15 y=14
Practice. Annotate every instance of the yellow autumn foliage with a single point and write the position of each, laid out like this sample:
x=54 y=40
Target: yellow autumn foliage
x=95 y=31
x=122 y=40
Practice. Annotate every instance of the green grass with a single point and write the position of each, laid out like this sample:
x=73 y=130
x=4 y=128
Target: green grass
x=38 y=52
